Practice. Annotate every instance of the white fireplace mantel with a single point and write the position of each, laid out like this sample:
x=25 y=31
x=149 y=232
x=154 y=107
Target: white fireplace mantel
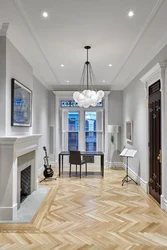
x=22 y=144
x=11 y=147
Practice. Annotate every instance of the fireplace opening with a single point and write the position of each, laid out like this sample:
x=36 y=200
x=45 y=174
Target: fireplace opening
x=25 y=183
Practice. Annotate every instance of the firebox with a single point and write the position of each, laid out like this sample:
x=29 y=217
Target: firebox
x=25 y=183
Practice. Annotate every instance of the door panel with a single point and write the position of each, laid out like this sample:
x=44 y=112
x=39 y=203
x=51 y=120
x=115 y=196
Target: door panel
x=155 y=141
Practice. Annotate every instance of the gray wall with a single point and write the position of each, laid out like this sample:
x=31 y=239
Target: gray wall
x=135 y=108
x=2 y=85
x=52 y=135
x=51 y=108
x=14 y=65
x=115 y=105
x=115 y=101
x=40 y=124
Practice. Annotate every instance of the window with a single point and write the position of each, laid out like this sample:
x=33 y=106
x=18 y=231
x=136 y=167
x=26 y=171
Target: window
x=73 y=127
x=72 y=103
x=82 y=130
x=90 y=131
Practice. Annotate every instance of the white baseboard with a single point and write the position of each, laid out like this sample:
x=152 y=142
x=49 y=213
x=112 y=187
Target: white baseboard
x=138 y=179
x=163 y=203
x=8 y=213
x=40 y=170
x=114 y=164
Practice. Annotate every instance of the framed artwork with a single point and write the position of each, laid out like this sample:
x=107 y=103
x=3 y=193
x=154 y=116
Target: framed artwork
x=129 y=131
x=21 y=105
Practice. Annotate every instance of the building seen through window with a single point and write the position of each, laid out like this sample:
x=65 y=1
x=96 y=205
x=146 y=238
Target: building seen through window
x=73 y=127
x=89 y=128
x=90 y=131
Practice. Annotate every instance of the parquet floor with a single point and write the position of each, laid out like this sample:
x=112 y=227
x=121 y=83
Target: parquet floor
x=91 y=214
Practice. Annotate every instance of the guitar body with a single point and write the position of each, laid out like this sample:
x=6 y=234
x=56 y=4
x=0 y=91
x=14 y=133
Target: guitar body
x=48 y=172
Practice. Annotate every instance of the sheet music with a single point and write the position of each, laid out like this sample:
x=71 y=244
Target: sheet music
x=124 y=151
x=131 y=153
x=128 y=152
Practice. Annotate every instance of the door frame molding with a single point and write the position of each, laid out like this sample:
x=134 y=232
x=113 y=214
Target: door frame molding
x=154 y=74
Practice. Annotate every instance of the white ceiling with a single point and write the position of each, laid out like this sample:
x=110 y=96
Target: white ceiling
x=128 y=44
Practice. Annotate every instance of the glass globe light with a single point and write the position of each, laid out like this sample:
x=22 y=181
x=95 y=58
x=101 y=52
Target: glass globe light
x=76 y=95
x=86 y=106
x=88 y=93
x=94 y=98
x=81 y=97
x=88 y=101
x=81 y=102
x=93 y=104
x=100 y=93
x=93 y=93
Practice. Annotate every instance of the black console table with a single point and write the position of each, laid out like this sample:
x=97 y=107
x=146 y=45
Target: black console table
x=96 y=153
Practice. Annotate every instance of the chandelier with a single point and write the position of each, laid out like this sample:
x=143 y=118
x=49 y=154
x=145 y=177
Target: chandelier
x=87 y=96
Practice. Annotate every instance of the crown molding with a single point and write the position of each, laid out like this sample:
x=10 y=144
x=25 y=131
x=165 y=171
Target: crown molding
x=155 y=50
x=35 y=74
x=67 y=93
x=140 y=35
x=28 y=24
x=154 y=71
x=154 y=74
x=9 y=35
x=117 y=87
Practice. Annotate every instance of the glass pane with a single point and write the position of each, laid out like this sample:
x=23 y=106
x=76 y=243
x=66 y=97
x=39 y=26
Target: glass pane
x=72 y=103
x=90 y=121
x=90 y=126
x=72 y=141
x=68 y=103
x=73 y=121
x=90 y=138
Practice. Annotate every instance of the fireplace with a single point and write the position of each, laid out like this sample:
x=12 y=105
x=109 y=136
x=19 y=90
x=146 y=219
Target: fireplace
x=25 y=183
x=25 y=176
x=16 y=154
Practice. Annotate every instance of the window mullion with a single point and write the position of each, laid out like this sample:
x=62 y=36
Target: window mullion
x=82 y=131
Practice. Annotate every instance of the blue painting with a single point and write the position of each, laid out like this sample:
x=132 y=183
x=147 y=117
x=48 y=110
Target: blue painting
x=21 y=105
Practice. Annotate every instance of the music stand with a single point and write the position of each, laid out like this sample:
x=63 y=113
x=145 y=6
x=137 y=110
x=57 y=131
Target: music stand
x=129 y=153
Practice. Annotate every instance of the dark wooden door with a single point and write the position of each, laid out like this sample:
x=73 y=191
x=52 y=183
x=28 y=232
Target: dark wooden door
x=155 y=141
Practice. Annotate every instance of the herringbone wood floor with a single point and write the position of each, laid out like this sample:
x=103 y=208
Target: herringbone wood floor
x=91 y=213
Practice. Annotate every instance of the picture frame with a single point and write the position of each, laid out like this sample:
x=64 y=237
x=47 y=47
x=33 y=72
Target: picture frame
x=21 y=104
x=129 y=131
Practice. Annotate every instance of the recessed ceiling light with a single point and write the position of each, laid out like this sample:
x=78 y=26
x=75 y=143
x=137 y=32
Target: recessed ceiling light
x=110 y=65
x=62 y=65
x=45 y=14
x=104 y=81
x=67 y=81
x=130 y=13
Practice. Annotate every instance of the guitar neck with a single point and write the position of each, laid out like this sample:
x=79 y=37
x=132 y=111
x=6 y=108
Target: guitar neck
x=46 y=156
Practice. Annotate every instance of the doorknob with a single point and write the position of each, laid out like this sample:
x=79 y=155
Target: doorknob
x=159 y=157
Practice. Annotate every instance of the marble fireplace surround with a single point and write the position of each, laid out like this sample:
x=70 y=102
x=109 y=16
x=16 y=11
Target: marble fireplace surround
x=11 y=148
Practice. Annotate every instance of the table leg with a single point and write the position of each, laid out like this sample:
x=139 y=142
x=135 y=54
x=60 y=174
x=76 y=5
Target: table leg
x=62 y=163
x=102 y=165
x=59 y=164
